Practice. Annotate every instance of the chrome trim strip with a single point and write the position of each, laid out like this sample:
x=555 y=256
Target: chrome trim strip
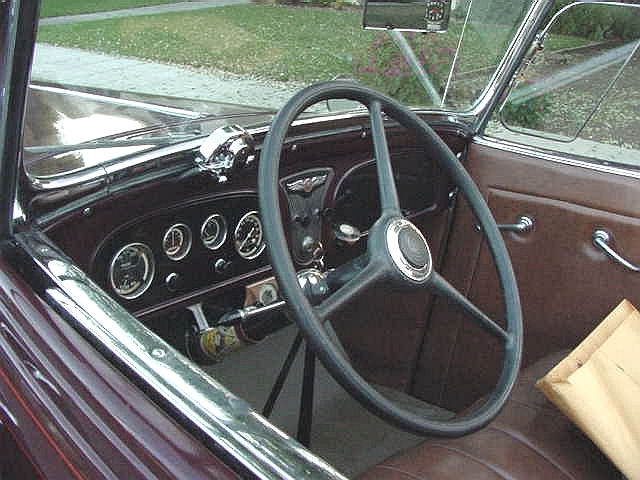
x=120 y=101
x=225 y=419
x=552 y=157
x=65 y=181
x=79 y=178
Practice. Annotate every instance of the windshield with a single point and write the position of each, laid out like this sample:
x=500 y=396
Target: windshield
x=148 y=72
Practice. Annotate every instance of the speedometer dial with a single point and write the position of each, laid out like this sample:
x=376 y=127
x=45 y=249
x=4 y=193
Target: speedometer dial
x=176 y=242
x=214 y=231
x=131 y=270
x=248 y=238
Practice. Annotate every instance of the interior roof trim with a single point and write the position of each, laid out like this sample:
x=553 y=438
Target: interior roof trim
x=555 y=157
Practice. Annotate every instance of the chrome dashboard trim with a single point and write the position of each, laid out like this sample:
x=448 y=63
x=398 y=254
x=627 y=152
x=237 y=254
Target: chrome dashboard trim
x=553 y=157
x=202 y=403
x=99 y=172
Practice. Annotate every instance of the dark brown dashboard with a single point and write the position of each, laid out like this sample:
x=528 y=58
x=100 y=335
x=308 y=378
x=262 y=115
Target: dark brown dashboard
x=328 y=179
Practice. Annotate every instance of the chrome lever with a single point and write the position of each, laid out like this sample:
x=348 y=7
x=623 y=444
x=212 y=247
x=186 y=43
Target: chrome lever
x=601 y=239
x=524 y=224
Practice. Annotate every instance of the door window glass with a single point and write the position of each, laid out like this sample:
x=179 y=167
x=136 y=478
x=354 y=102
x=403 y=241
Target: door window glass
x=584 y=98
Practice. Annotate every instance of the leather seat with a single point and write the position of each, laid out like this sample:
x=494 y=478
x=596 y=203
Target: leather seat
x=530 y=439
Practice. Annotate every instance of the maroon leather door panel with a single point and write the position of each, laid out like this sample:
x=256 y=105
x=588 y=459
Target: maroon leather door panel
x=566 y=284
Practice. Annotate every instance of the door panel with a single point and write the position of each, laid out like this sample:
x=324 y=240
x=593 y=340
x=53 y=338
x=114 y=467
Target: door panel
x=566 y=284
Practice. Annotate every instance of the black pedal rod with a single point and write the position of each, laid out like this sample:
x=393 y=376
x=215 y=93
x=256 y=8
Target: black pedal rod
x=306 y=398
x=282 y=376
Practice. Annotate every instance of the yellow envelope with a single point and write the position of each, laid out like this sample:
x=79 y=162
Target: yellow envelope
x=598 y=387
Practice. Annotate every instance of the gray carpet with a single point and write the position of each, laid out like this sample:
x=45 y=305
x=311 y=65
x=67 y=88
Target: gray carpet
x=343 y=433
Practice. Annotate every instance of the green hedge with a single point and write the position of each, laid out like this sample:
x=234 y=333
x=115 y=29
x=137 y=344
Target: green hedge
x=608 y=23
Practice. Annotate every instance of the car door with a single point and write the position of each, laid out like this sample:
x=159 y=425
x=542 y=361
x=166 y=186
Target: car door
x=563 y=152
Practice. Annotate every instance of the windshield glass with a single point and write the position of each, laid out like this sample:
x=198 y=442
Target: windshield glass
x=148 y=72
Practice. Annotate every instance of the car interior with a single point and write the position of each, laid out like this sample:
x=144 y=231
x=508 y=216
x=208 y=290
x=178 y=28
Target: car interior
x=185 y=252
x=414 y=346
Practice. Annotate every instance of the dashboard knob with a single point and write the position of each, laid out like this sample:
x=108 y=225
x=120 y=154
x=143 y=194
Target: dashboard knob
x=312 y=246
x=347 y=233
x=222 y=266
x=173 y=282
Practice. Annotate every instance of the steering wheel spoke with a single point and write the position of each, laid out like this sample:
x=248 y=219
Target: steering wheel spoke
x=389 y=202
x=442 y=287
x=363 y=279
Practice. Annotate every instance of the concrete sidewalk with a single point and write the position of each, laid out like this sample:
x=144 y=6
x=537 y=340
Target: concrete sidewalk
x=72 y=66
x=131 y=12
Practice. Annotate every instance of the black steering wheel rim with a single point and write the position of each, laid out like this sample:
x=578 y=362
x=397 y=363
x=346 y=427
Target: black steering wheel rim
x=307 y=316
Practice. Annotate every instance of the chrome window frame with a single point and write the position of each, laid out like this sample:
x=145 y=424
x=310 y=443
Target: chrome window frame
x=555 y=156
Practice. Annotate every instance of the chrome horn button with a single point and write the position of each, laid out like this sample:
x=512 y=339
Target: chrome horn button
x=409 y=250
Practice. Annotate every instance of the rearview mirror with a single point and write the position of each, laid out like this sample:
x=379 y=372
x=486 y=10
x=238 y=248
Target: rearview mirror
x=403 y=15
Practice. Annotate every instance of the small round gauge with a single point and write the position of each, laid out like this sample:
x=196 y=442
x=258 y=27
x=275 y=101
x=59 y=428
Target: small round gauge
x=248 y=238
x=131 y=270
x=214 y=231
x=176 y=242
x=435 y=11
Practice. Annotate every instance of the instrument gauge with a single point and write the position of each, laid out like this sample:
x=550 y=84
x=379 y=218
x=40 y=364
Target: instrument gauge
x=248 y=236
x=176 y=242
x=214 y=231
x=131 y=270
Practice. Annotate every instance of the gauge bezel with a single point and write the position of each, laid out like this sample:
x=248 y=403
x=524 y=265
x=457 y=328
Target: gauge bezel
x=221 y=237
x=185 y=248
x=150 y=270
x=262 y=245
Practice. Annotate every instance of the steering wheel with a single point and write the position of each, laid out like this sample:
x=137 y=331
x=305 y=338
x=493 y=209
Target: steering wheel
x=397 y=254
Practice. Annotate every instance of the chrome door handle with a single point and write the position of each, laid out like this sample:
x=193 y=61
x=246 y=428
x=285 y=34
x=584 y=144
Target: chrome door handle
x=601 y=239
x=524 y=224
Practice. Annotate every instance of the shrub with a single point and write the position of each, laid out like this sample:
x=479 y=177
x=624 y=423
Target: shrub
x=608 y=23
x=385 y=68
x=529 y=113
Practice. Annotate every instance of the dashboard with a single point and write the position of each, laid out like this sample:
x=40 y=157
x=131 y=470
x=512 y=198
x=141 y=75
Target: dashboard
x=173 y=248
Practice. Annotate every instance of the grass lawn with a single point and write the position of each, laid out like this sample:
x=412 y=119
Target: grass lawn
x=55 y=8
x=259 y=40
x=291 y=44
